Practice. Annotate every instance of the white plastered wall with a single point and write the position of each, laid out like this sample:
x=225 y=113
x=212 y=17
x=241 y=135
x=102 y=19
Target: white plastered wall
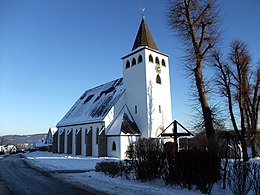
x=115 y=110
x=158 y=94
x=125 y=141
x=135 y=85
x=122 y=143
x=110 y=152
x=143 y=91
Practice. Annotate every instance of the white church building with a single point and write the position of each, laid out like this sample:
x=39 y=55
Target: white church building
x=105 y=119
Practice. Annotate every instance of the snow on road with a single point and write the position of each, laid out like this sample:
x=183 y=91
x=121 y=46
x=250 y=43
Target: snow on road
x=57 y=162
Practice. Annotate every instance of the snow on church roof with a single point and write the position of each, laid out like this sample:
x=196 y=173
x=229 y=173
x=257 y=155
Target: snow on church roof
x=94 y=104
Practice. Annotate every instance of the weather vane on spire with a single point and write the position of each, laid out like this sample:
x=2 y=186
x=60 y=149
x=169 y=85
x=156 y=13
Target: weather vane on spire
x=142 y=10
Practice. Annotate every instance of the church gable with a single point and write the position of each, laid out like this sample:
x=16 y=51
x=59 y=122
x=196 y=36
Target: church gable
x=123 y=124
x=94 y=104
x=128 y=124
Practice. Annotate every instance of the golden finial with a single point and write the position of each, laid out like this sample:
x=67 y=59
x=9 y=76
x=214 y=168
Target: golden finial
x=142 y=11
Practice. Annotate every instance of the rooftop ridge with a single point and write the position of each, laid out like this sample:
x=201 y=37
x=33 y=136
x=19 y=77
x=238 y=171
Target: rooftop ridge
x=101 y=85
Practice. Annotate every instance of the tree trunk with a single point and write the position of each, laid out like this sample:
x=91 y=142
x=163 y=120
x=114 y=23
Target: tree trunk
x=254 y=123
x=244 y=150
x=207 y=113
x=243 y=129
x=253 y=146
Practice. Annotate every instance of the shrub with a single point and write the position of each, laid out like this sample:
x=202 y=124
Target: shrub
x=193 y=168
x=256 y=178
x=187 y=168
x=145 y=157
x=111 y=168
x=238 y=179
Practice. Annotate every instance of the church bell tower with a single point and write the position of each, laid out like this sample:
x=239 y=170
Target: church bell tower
x=147 y=83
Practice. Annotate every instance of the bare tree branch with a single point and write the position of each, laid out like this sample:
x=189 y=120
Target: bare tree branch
x=235 y=80
x=196 y=24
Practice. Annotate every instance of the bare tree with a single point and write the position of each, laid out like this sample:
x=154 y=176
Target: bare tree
x=252 y=101
x=235 y=84
x=196 y=24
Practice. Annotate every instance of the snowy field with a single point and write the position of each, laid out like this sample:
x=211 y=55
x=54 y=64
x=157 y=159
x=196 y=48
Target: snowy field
x=79 y=170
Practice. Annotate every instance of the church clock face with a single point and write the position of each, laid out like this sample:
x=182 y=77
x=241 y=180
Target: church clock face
x=158 y=68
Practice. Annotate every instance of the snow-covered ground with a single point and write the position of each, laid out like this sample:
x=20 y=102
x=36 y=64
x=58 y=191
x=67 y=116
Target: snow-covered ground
x=74 y=165
x=56 y=162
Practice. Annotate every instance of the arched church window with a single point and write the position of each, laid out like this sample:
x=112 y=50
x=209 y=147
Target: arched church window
x=133 y=61
x=114 y=146
x=127 y=65
x=97 y=135
x=157 y=60
x=140 y=59
x=158 y=79
x=163 y=62
x=150 y=58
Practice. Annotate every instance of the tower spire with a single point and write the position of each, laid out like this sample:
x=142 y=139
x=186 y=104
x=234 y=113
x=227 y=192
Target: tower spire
x=144 y=36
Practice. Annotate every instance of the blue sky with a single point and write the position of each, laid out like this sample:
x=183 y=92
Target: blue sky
x=51 y=51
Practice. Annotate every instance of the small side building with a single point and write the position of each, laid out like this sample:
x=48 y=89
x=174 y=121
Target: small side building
x=46 y=143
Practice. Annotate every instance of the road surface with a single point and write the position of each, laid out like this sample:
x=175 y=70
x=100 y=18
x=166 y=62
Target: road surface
x=16 y=177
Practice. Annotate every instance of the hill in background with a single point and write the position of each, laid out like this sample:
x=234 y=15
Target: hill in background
x=21 y=141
